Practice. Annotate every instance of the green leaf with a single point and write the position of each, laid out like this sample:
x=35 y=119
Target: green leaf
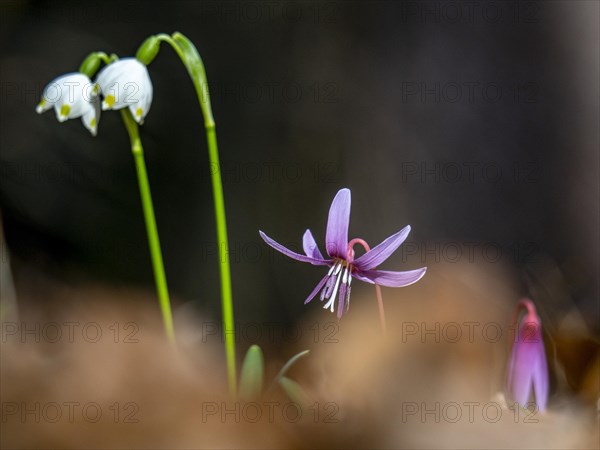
x=253 y=369
x=294 y=391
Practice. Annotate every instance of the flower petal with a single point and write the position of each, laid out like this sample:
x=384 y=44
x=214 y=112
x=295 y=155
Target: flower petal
x=291 y=254
x=521 y=373
x=310 y=246
x=43 y=106
x=90 y=120
x=358 y=276
x=126 y=83
x=140 y=109
x=540 y=377
x=336 y=241
x=383 y=251
x=391 y=279
x=316 y=289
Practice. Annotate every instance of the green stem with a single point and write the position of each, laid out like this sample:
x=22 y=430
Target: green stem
x=193 y=63
x=151 y=229
x=221 y=223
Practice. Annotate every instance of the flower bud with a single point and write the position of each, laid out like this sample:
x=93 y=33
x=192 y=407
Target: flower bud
x=148 y=50
x=90 y=64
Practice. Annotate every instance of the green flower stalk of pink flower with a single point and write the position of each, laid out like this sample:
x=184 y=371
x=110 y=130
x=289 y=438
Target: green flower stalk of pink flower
x=343 y=266
x=527 y=367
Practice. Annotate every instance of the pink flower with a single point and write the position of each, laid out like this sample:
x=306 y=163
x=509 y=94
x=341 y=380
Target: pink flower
x=527 y=367
x=342 y=265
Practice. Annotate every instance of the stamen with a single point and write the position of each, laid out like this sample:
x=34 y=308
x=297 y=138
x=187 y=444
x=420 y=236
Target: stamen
x=322 y=296
x=326 y=288
x=348 y=297
x=331 y=270
x=331 y=301
x=338 y=268
x=330 y=285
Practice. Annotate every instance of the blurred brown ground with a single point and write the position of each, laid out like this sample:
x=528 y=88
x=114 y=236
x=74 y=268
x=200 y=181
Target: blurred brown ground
x=363 y=389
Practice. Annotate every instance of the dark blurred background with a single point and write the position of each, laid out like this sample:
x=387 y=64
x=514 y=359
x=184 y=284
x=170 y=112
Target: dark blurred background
x=474 y=122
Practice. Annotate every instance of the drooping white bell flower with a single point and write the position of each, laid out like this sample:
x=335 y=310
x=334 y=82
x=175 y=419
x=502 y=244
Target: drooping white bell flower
x=126 y=83
x=72 y=95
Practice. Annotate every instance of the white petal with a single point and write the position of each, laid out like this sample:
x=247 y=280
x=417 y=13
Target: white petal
x=126 y=83
x=42 y=106
x=90 y=120
x=68 y=88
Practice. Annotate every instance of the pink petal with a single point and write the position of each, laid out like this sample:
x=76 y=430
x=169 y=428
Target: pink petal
x=291 y=254
x=316 y=289
x=383 y=251
x=336 y=241
x=391 y=279
x=310 y=246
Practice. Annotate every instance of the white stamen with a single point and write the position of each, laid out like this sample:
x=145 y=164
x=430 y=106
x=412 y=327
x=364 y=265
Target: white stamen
x=345 y=278
x=331 y=301
x=331 y=270
x=337 y=270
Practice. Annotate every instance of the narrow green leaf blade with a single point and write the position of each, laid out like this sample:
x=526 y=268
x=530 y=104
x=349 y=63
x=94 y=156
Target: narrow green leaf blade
x=289 y=364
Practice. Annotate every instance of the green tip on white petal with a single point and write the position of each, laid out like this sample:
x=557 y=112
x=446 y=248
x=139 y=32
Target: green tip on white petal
x=40 y=107
x=96 y=89
x=93 y=127
x=108 y=102
x=139 y=116
x=64 y=113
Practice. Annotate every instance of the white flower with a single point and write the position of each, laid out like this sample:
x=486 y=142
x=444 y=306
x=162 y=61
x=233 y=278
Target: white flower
x=72 y=95
x=126 y=83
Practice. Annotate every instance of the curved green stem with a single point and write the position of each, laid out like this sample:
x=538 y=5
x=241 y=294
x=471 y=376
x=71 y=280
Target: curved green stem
x=153 y=240
x=193 y=63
